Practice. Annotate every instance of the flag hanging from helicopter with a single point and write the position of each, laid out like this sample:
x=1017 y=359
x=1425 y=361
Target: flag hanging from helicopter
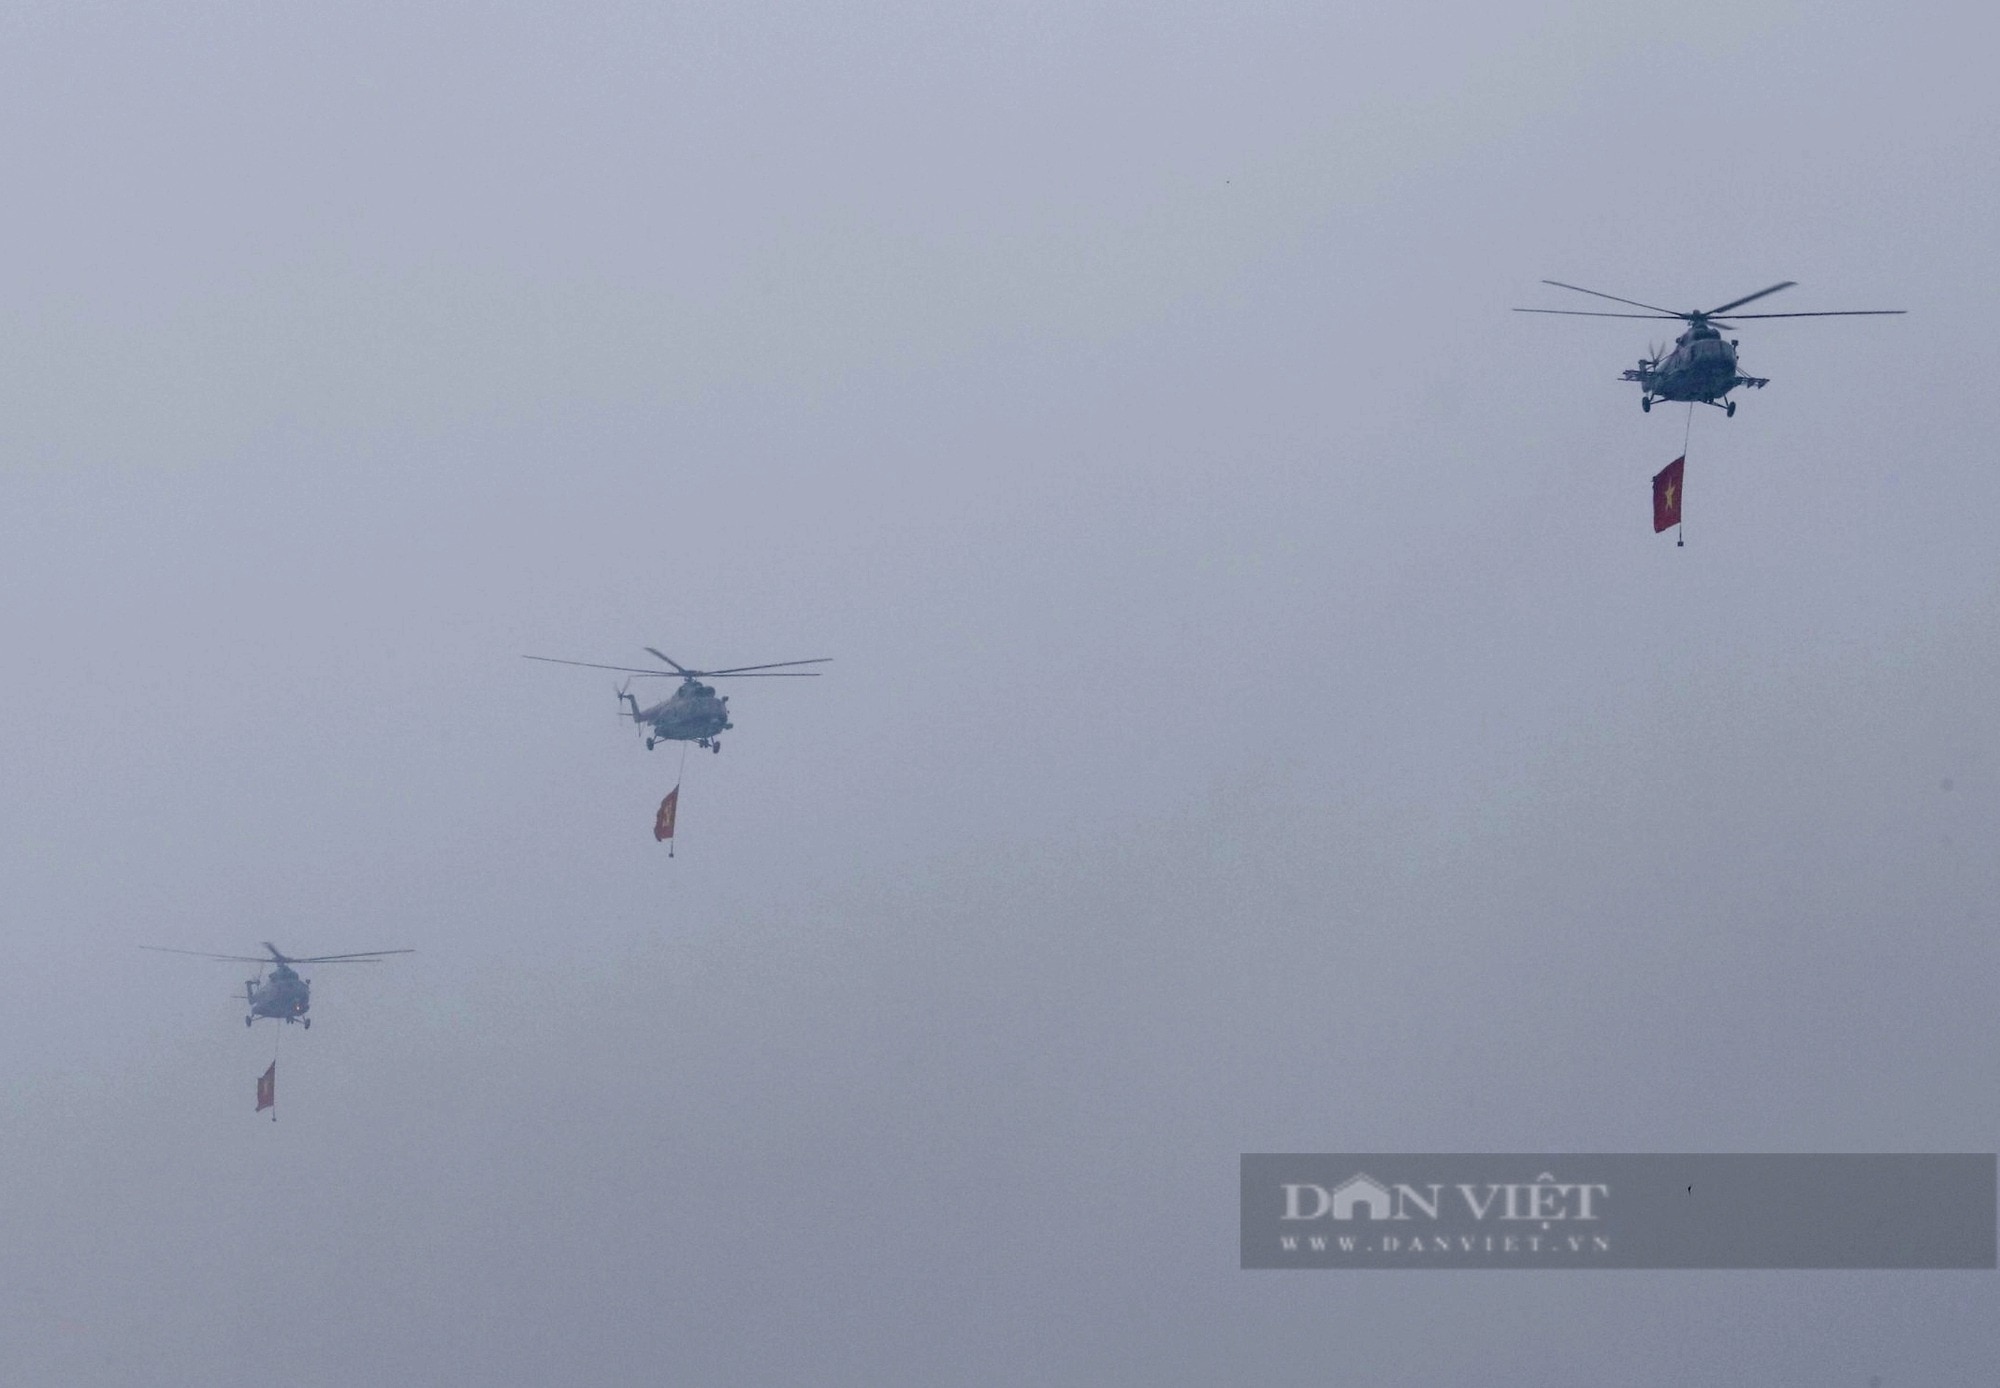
x=267 y=1090
x=1667 y=495
x=663 y=822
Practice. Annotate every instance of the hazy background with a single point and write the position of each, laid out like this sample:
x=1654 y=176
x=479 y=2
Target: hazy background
x=1262 y=717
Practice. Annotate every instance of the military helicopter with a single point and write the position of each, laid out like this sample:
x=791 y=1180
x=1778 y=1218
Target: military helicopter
x=284 y=995
x=1702 y=367
x=694 y=713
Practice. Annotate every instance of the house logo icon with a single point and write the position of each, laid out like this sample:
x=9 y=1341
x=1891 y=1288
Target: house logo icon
x=1363 y=1189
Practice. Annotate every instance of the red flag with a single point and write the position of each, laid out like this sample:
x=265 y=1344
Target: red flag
x=267 y=1088
x=663 y=823
x=1667 y=495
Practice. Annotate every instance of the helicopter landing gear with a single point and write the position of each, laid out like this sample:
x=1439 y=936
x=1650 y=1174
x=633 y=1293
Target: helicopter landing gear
x=715 y=746
x=306 y=1022
x=1729 y=410
x=1646 y=403
x=649 y=743
x=248 y=1020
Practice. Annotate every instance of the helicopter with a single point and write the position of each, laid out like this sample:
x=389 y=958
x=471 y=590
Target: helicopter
x=1702 y=368
x=694 y=713
x=283 y=996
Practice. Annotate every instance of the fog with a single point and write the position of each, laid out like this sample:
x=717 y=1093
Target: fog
x=1260 y=717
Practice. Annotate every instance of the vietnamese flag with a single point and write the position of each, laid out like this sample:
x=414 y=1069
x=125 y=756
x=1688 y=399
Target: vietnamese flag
x=1667 y=495
x=663 y=823
x=267 y=1089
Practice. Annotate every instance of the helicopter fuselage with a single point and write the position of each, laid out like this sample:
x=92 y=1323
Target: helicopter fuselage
x=695 y=713
x=283 y=996
x=1701 y=368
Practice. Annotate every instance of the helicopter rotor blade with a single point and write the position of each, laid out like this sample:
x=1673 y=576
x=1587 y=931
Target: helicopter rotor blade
x=593 y=665
x=1588 y=313
x=368 y=956
x=1833 y=313
x=374 y=956
x=682 y=671
x=203 y=954
x=1738 y=303
x=774 y=665
x=1616 y=300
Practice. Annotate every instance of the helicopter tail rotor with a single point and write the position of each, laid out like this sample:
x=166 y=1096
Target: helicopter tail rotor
x=631 y=704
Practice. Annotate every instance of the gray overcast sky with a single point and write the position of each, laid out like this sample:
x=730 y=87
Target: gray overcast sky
x=1262 y=718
